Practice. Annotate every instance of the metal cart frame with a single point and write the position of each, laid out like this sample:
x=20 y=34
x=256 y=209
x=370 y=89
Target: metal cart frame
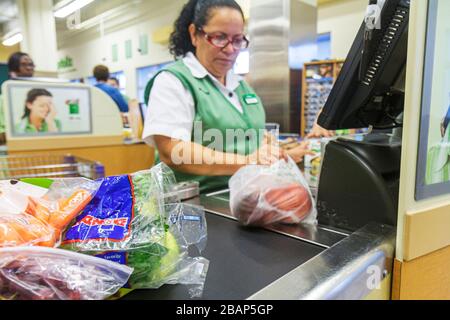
x=49 y=166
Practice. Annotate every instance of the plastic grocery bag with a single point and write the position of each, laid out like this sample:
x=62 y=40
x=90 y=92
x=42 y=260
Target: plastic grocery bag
x=263 y=195
x=36 y=273
x=125 y=213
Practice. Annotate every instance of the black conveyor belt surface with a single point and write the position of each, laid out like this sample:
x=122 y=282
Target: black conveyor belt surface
x=242 y=262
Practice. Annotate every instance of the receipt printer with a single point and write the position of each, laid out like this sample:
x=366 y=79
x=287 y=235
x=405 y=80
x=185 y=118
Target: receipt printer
x=359 y=181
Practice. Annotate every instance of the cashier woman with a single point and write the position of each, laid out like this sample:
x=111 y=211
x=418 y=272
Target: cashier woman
x=199 y=94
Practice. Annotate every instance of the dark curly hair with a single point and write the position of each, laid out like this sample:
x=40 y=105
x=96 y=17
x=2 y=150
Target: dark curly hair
x=197 y=12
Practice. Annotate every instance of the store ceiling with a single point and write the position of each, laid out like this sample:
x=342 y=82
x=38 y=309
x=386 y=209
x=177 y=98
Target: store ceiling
x=108 y=11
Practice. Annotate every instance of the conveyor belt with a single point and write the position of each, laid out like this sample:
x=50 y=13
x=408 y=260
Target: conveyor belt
x=242 y=262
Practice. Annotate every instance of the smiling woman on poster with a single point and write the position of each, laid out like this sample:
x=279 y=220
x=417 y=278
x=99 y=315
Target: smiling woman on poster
x=39 y=114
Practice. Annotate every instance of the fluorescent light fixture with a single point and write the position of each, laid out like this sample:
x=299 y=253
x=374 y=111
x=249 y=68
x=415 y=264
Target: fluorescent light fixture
x=70 y=8
x=12 y=40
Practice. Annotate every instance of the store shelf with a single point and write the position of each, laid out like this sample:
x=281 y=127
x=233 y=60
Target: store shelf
x=318 y=80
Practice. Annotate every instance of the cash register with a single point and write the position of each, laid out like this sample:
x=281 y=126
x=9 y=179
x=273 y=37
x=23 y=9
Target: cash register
x=359 y=179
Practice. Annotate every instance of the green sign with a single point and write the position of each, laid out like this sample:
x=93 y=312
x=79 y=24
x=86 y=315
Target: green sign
x=143 y=44
x=128 y=49
x=115 y=53
x=65 y=63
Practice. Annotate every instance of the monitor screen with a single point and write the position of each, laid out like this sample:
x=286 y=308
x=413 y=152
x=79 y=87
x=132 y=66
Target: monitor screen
x=433 y=167
x=369 y=91
x=40 y=109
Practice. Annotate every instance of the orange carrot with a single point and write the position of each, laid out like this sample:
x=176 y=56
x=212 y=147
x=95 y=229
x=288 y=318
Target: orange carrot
x=69 y=209
x=37 y=210
x=8 y=236
x=27 y=230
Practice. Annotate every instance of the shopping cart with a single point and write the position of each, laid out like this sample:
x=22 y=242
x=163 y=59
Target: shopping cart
x=48 y=166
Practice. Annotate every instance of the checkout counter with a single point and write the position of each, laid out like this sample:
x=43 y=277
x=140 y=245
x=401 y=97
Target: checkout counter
x=91 y=127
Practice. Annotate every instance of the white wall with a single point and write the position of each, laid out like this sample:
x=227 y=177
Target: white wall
x=87 y=53
x=342 y=18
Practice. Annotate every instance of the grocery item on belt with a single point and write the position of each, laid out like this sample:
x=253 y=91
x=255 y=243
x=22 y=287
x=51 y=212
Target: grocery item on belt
x=168 y=261
x=125 y=213
x=262 y=195
x=40 y=221
x=37 y=273
x=128 y=222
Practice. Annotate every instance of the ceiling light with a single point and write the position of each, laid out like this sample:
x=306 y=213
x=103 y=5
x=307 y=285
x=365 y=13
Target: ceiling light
x=70 y=8
x=12 y=40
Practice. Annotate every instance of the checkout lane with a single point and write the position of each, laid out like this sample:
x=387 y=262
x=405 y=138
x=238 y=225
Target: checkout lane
x=285 y=262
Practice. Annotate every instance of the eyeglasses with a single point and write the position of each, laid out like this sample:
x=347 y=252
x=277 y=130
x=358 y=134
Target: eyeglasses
x=221 y=40
x=25 y=64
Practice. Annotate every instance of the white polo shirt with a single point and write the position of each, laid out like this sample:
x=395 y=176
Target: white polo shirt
x=171 y=109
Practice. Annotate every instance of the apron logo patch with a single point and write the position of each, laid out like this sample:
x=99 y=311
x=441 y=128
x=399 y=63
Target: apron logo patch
x=250 y=99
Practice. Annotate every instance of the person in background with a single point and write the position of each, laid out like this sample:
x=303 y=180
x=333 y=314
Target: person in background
x=20 y=65
x=115 y=83
x=101 y=74
x=39 y=113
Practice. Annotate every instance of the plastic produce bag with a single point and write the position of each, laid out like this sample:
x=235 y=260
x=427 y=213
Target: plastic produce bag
x=175 y=259
x=14 y=195
x=41 y=220
x=25 y=230
x=36 y=273
x=64 y=201
x=128 y=222
x=125 y=213
x=262 y=195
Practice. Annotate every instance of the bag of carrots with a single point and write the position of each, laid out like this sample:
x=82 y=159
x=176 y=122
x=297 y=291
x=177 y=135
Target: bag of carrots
x=45 y=218
x=263 y=195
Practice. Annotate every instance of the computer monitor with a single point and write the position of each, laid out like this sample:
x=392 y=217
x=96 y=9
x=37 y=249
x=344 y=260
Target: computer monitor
x=370 y=88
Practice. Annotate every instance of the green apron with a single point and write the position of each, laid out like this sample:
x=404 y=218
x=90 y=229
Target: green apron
x=215 y=114
x=438 y=163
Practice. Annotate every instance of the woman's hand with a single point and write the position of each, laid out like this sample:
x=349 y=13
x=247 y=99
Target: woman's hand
x=50 y=119
x=267 y=154
x=319 y=132
x=298 y=153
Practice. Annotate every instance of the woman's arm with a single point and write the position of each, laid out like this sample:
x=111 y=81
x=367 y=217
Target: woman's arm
x=192 y=158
